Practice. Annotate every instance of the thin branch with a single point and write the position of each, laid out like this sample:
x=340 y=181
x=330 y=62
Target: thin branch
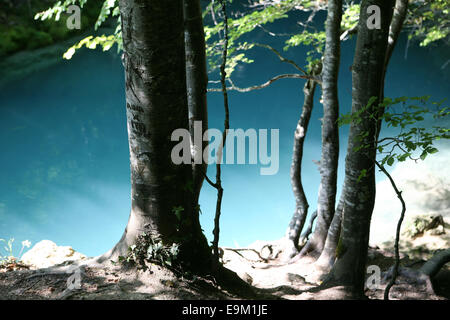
x=214 y=185
x=268 y=83
x=273 y=34
x=282 y=59
x=238 y=251
x=397 y=235
x=348 y=32
x=223 y=73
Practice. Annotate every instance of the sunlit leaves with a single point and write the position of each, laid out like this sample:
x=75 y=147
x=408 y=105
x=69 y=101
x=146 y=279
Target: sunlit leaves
x=109 y=8
x=306 y=38
x=237 y=28
x=429 y=20
x=58 y=8
x=90 y=42
x=350 y=17
x=413 y=141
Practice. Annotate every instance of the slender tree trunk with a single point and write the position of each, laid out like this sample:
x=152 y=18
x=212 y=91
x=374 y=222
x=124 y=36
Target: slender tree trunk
x=305 y=235
x=301 y=203
x=328 y=255
x=196 y=82
x=218 y=184
x=398 y=19
x=155 y=70
x=367 y=73
x=330 y=131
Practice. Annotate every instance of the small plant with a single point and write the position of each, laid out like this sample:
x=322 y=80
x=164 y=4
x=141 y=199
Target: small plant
x=10 y=258
x=148 y=250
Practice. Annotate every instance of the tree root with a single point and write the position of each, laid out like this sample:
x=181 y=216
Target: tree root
x=258 y=253
x=432 y=266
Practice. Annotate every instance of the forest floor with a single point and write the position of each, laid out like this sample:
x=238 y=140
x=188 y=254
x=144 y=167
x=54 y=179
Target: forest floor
x=271 y=278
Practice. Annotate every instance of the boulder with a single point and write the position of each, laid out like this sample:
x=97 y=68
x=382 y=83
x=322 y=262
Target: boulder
x=46 y=253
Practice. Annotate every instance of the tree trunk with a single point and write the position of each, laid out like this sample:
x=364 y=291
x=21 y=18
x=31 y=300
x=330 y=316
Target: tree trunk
x=155 y=70
x=328 y=255
x=305 y=235
x=301 y=203
x=367 y=76
x=196 y=82
x=330 y=130
x=398 y=19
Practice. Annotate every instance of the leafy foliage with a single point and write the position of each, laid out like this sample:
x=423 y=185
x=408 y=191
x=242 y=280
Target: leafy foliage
x=57 y=9
x=429 y=21
x=414 y=141
x=110 y=8
x=91 y=42
x=8 y=248
x=147 y=251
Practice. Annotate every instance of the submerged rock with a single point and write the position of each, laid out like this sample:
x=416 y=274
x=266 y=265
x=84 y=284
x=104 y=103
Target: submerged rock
x=46 y=253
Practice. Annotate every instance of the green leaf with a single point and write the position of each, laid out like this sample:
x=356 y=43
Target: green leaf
x=423 y=155
x=390 y=161
x=362 y=175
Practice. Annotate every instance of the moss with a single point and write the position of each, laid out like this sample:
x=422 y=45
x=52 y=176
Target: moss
x=340 y=248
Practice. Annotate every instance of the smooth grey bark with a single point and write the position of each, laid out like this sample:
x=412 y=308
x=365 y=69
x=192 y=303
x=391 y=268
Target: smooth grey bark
x=398 y=19
x=327 y=258
x=367 y=77
x=330 y=131
x=305 y=235
x=156 y=105
x=328 y=255
x=301 y=203
x=196 y=82
x=432 y=266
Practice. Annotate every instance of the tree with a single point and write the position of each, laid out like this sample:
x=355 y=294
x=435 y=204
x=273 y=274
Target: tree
x=301 y=203
x=367 y=76
x=197 y=82
x=163 y=202
x=330 y=130
x=328 y=255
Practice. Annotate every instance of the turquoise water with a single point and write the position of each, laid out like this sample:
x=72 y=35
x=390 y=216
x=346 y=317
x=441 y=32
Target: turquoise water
x=64 y=160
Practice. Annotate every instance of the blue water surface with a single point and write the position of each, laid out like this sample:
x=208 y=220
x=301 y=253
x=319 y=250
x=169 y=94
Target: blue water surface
x=65 y=162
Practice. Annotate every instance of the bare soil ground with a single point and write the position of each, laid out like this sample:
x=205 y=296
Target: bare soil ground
x=271 y=278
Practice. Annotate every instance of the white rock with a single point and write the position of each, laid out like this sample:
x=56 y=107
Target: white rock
x=46 y=253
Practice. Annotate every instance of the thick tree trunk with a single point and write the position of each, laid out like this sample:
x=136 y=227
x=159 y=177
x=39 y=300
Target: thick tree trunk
x=367 y=73
x=330 y=131
x=301 y=203
x=154 y=61
x=328 y=255
x=197 y=82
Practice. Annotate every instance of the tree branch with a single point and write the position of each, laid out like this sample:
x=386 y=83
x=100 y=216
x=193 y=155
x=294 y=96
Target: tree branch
x=282 y=59
x=223 y=74
x=268 y=83
x=397 y=236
